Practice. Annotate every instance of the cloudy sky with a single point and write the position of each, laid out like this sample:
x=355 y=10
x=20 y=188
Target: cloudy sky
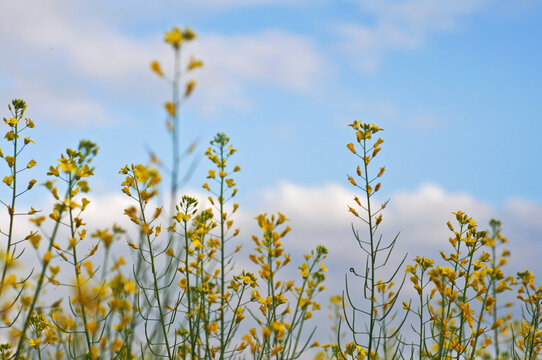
x=456 y=85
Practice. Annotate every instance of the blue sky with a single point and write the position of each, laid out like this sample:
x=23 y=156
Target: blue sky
x=456 y=85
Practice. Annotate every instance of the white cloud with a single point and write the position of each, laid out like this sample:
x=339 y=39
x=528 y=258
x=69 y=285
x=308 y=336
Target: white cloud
x=422 y=15
x=399 y=25
x=525 y=213
x=78 y=65
x=243 y=3
x=425 y=120
x=270 y=58
x=319 y=216
x=60 y=61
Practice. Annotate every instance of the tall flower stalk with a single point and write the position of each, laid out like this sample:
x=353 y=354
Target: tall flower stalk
x=176 y=38
x=378 y=298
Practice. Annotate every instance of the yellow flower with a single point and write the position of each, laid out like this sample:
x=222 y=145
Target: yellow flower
x=276 y=350
x=35 y=343
x=174 y=37
x=355 y=124
x=89 y=267
x=189 y=88
x=266 y=332
x=130 y=287
x=188 y=34
x=497 y=323
x=117 y=344
x=11 y=122
x=194 y=63
x=375 y=128
x=47 y=257
x=10 y=160
x=155 y=66
x=230 y=182
x=239 y=315
x=304 y=302
x=8 y=180
x=351 y=148
x=323 y=267
x=92 y=327
x=352 y=181
x=120 y=261
x=213 y=327
x=10 y=135
x=170 y=108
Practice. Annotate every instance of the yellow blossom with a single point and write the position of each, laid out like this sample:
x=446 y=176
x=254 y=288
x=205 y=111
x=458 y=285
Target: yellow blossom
x=194 y=63
x=174 y=37
x=35 y=343
x=170 y=108
x=189 y=88
x=155 y=66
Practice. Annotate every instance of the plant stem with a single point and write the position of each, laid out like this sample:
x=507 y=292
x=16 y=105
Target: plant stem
x=77 y=277
x=154 y=276
x=8 y=258
x=372 y=256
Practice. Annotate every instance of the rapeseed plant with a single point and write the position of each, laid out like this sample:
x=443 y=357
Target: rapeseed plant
x=379 y=298
x=460 y=302
x=176 y=38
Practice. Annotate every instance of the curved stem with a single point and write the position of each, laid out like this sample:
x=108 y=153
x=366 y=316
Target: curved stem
x=372 y=254
x=154 y=273
x=11 y=210
x=76 y=268
x=38 y=285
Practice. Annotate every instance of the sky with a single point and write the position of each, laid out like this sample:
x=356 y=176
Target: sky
x=455 y=84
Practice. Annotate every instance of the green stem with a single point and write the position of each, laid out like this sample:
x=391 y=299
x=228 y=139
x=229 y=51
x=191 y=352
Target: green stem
x=464 y=297
x=175 y=133
x=232 y=324
x=77 y=277
x=222 y=253
x=12 y=212
x=422 y=337
x=154 y=276
x=38 y=285
x=494 y=293
x=188 y=291
x=442 y=349
x=372 y=319
x=479 y=323
x=294 y=318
